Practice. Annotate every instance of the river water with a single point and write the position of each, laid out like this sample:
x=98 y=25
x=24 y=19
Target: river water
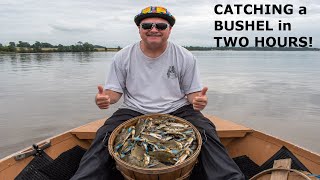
x=44 y=94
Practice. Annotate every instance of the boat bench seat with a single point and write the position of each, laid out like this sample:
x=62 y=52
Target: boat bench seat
x=225 y=129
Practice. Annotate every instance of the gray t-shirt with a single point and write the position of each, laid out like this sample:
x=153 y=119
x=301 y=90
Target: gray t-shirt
x=154 y=85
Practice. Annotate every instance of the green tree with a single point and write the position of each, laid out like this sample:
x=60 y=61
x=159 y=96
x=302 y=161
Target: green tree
x=36 y=46
x=5 y=48
x=13 y=44
x=23 y=44
x=20 y=44
x=73 y=48
x=61 y=48
x=46 y=45
x=12 y=47
x=88 y=47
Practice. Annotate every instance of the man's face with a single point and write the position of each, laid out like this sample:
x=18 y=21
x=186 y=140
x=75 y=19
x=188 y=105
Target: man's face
x=154 y=37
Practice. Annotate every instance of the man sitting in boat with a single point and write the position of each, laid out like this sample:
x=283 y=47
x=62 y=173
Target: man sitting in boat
x=156 y=76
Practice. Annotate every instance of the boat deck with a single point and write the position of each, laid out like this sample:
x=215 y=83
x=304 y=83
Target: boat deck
x=226 y=130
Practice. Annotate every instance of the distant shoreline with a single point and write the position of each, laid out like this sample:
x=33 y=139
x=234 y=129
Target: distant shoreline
x=49 y=50
x=39 y=47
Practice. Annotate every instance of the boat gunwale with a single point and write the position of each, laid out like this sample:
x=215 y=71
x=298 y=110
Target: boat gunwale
x=294 y=148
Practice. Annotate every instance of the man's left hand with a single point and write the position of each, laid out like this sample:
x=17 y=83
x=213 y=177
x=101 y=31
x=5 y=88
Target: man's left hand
x=201 y=100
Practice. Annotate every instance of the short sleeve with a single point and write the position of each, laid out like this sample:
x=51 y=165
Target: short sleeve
x=115 y=80
x=190 y=78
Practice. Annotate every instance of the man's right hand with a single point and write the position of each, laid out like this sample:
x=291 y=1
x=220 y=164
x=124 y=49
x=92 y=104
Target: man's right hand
x=102 y=100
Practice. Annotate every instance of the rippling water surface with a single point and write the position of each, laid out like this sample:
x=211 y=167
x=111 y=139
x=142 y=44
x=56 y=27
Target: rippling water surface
x=42 y=95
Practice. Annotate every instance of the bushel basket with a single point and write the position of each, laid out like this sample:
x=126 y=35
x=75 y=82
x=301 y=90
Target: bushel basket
x=179 y=171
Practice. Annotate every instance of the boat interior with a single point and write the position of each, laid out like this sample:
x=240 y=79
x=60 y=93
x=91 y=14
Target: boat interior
x=258 y=155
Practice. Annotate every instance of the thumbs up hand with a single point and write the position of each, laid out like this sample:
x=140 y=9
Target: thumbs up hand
x=102 y=99
x=200 y=101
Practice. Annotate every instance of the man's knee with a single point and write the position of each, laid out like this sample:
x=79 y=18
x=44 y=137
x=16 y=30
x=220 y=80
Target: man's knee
x=202 y=123
x=120 y=116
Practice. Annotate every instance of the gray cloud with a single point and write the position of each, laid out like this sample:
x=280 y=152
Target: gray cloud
x=73 y=27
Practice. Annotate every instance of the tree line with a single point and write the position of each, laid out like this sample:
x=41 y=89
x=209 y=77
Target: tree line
x=22 y=47
x=25 y=47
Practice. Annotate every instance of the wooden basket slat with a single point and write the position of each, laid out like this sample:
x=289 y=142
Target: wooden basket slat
x=172 y=175
x=126 y=171
x=187 y=168
x=145 y=176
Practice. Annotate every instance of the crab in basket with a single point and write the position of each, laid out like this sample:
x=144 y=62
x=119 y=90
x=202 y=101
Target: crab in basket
x=155 y=142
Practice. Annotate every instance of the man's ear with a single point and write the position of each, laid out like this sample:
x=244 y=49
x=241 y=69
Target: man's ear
x=170 y=29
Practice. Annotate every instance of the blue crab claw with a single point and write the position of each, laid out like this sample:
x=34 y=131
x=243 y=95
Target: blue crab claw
x=175 y=151
x=118 y=146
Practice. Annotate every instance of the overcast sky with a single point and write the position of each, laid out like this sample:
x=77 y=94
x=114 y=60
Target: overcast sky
x=110 y=23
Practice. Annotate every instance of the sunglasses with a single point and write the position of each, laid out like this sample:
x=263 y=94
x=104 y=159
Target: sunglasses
x=159 y=26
